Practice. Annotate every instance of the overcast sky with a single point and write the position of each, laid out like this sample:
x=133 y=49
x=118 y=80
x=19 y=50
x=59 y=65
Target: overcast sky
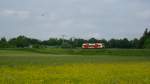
x=74 y=18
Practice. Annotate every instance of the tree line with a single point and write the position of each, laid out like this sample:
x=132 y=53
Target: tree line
x=25 y=42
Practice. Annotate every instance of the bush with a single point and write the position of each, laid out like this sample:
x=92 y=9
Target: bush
x=66 y=45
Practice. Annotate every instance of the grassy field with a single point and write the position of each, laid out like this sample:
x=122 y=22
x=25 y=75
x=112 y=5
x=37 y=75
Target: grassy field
x=74 y=66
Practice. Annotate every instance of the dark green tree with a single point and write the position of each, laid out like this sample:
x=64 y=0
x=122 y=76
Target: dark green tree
x=3 y=43
x=134 y=43
x=20 y=42
x=144 y=38
x=147 y=43
x=112 y=43
x=104 y=41
x=92 y=40
x=125 y=42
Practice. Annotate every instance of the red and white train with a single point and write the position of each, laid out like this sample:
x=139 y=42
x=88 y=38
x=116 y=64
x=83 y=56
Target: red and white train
x=92 y=45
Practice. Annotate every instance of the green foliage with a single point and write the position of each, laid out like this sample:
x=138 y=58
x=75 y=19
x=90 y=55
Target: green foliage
x=121 y=43
x=52 y=41
x=20 y=42
x=134 y=43
x=92 y=40
x=147 y=43
x=105 y=42
x=66 y=45
x=3 y=43
x=25 y=42
x=79 y=42
x=143 y=39
x=36 y=46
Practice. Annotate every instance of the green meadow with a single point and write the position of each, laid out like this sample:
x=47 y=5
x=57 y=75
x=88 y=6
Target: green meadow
x=74 y=66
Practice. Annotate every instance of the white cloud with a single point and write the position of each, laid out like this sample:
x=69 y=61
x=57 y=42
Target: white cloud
x=19 y=13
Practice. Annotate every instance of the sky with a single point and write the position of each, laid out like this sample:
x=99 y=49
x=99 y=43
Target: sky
x=43 y=19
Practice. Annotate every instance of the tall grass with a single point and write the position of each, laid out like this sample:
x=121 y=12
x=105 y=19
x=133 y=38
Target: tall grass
x=60 y=51
x=49 y=66
x=83 y=73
